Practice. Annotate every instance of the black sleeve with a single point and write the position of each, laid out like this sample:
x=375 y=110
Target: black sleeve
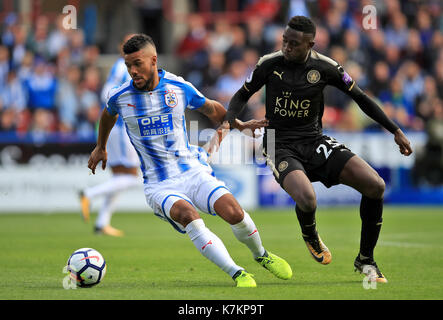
x=340 y=79
x=371 y=108
x=237 y=103
x=253 y=83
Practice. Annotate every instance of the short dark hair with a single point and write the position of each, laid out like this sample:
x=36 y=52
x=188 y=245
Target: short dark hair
x=137 y=42
x=303 y=24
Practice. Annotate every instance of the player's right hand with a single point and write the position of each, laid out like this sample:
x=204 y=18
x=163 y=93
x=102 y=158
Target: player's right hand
x=251 y=124
x=97 y=155
x=402 y=142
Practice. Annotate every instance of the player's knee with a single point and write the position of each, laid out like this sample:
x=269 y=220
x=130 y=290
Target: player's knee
x=377 y=188
x=183 y=214
x=233 y=213
x=229 y=209
x=307 y=202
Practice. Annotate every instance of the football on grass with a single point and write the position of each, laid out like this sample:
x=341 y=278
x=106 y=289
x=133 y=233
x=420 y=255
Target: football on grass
x=86 y=267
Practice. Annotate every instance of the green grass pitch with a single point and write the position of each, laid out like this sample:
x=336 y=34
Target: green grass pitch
x=153 y=261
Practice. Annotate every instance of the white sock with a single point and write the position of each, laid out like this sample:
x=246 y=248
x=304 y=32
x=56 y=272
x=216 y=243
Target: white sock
x=106 y=210
x=117 y=183
x=211 y=246
x=246 y=232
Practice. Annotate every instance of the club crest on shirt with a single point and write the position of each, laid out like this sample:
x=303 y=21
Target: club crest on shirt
x=171 y=98
x=282 y=166
x=313 y=76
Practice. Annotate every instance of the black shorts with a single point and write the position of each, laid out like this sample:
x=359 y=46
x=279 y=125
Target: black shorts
x=321 y=160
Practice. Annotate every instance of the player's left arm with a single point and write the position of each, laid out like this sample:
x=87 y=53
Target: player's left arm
x=107 y=122
x=371 y=108
x=340 y=79
x=215 y=111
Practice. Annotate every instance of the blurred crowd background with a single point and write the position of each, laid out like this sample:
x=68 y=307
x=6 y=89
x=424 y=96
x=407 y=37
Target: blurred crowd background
x=51 y=78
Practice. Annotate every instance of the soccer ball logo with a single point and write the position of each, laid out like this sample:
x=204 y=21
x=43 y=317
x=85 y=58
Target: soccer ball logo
x=86 y=267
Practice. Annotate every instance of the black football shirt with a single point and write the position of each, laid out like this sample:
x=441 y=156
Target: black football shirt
x=294 y=93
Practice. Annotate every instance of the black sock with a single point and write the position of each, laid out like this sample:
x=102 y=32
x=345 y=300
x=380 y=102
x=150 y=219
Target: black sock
x=371 y=211
x=307 y=222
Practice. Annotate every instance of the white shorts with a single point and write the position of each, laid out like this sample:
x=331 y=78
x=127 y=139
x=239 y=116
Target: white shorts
x=197 y=186
x=120 y=150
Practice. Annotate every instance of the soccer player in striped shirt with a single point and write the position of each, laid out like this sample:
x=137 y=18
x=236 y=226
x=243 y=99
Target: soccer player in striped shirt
x=177 y=178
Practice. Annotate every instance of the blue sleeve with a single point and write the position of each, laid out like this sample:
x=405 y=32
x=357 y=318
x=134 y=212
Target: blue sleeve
x=194 y=97
x=111 y=105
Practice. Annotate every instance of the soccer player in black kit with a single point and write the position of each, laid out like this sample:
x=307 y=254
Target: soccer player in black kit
x=295 y=78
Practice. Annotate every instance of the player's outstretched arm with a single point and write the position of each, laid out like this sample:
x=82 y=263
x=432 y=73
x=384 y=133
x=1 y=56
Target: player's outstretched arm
x=215 y=111
x=99 y=153
x=370 y=107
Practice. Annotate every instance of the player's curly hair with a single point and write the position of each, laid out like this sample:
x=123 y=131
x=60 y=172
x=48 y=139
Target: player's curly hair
x=303 y=24
x=137 y=42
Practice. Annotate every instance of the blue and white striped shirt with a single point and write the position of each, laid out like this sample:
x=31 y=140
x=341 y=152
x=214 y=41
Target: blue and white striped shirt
x=155 y=123
x=117 y=76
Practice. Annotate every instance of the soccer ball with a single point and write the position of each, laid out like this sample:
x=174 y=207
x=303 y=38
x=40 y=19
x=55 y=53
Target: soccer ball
x=86 y=267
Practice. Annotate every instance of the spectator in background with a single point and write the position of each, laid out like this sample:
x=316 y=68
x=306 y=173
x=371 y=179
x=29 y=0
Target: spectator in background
x=91 y=55
x=397 y=30
x=267 y=10
x=4 y=65
x=221 y=38
x=88 y=93
x=438 y=74
x=227 y=84
x=67 y=100
x=322 y=40
x=376 y=46
x=254 y=35
x=7 y=38
x=424 y=26
x=353 y=47
x=396 y=103
x=427 y=99
x=212 y=73
x=237 y=47
x=41 y=87
x=12 y=95
x=195 y=38
x=250 y=57
x=432 y=53
x=379 y=84
x=76 y=46
x=37 y=40
x=414 y=49
x=19 y=48
x=333 y=25
x=392 y=57
x=25 y=69
x=413 y=83
x=12 y=103
x=43 y=124
x=58 y=38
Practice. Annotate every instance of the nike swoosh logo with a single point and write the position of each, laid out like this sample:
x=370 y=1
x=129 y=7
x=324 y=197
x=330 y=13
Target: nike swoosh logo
x=318 y=257
x=91 y=257
x=252 y=233
x=209 y=242
x=131 y=105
